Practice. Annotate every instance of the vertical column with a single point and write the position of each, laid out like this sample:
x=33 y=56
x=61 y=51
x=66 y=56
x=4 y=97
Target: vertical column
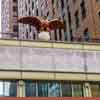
x=63 y=36
x=87 y=90
x=21 y=89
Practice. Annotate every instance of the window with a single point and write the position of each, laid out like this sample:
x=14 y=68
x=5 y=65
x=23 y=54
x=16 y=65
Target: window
x=15 y=9
x=64 y=25
x=54 y=89
x=26 y=7
x=60 y=35
x=83 y=9
x=86 y=35
x=42 y=89
x=77 y=19
x=97 y=0
x=15 y=1
x=55 y=35
x=74 y=1
x=72 y=89
x=29 y=13
x=32 y=5
x=15 y=28
x=52 y=1
x=69 y=16
x=95 y=89
x=77 y=90
x=30 y=88
x=66 y=89
x=37 y=12
x=8 y=88
x=62 y=4
x=99 y=14
x=71 y=34
x=28 y=1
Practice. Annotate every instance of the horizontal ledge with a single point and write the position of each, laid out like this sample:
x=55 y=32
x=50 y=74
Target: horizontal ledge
x=78 y=46
x=49 y=76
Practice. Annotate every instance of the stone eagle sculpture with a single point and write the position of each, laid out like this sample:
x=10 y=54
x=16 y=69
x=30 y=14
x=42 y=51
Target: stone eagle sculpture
x=43 y=26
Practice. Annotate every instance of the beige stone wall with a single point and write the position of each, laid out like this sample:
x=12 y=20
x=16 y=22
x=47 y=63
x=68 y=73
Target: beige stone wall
x=92 y=20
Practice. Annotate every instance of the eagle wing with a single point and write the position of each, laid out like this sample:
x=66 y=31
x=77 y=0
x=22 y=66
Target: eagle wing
x=56 y=24
x=34 y=21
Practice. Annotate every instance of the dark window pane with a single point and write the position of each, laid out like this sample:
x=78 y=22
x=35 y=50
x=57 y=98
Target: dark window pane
x=83 y=9
x=66 y=89
x=54 y=89
x=77 y=90
x=30 y=88
x=86 y=35
x=13 y=89
x=43 y=89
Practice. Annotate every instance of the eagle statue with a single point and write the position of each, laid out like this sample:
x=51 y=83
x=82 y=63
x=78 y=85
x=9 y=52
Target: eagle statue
x=43 y=26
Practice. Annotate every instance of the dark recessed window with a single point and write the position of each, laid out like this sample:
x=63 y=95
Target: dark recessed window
x=26 y=7
x=43 y=89
x=99 y=14
x=15 y=9
x=62 y=4
x=74 y=1
x=37 y=13
x=29 y=13
x=32 y=5
x=15 y=28
x=26 y=35
x=14 y=0
x=60 y=35
x=83 y=9
x=64 y=25
x=77 y=19
x=52 y=1
x=29 y=1
x=71 y=34
x=69 y=16
x=86 y=35
x=34 y=36
x=55 y=35
x=66 y=89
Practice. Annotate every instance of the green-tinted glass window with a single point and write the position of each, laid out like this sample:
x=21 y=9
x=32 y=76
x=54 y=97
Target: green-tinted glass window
x=77 y=90
x=66 y=89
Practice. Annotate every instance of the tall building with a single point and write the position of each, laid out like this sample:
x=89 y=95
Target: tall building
x=83 y=19
x=17 y=8
x=9 y=17
x=49 y=71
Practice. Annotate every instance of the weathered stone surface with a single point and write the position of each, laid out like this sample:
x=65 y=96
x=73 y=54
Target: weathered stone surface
x=48 y=59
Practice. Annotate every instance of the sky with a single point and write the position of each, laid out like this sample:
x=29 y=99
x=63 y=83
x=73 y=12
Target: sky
x=0 y=15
